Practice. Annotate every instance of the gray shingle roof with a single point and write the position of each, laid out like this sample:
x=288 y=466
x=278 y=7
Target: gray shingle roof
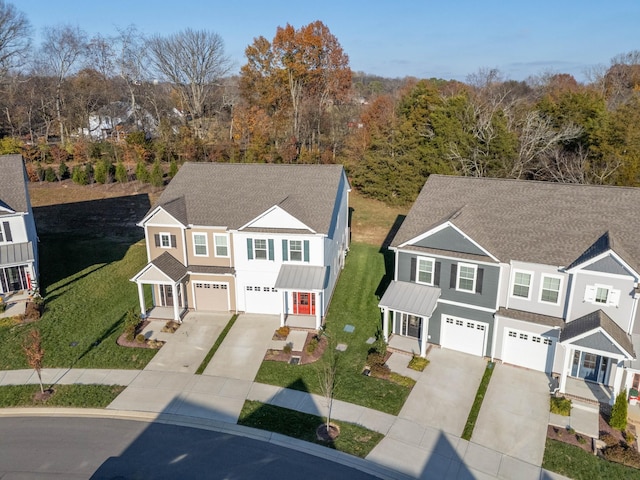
x=13 y=181
x=171 y=267
x=593 y=320
x=539 y=222
x=230 y=195
x=530 y=317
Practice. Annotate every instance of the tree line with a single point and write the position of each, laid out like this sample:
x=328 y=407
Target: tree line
x=131 y=103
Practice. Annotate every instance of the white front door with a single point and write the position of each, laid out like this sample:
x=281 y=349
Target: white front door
x=528 y=350
x=464 y=335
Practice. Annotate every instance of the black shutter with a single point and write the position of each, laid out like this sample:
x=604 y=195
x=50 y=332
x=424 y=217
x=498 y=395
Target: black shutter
x=479 y=280
x=7 y=232
x=412 y=273
x=156 y=237
x=454 y=273
x=173 y=241
x=436 y=275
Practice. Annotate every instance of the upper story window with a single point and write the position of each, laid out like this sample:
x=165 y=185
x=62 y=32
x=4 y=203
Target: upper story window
x=260 y=249
x=295 y=250
x=466 y=280
x=5 y=232
x=550 y=291
x=602 y=295
x=200 y=244
x=221 y=245
x=425 y=270
x=521 y=284
x=165 y=240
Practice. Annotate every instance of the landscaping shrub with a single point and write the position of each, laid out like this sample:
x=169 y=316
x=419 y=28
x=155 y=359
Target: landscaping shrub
x=283 y=331
x=622 y=454
x=142 y=174
x=618 y=418
x=140 y=338
x=50 y=175
x=63 y=171
x=376 y=363
x=560 y=406
x=418 y=363
x=313 y=344
x=121 y=172
x=79 y=175
x=609 y=440
x=173 y=168
x=157 y=175
x=131 y=321
x=288 y=348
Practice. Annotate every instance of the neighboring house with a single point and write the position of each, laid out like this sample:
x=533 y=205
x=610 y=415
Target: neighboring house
x=247 y=238
x=116 y=120
x=18 y=237
x=540 y=275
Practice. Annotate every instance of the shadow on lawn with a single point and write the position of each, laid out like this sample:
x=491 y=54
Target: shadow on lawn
x=389 y=256
x=107 y=332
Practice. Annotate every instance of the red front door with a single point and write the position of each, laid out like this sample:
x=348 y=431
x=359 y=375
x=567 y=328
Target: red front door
x=304 y=303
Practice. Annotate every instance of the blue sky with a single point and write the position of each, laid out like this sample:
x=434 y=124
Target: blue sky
x=421 y=38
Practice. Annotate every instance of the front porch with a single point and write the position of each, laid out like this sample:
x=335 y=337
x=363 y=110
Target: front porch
x=588 y=392
x=163 y=313
x=399 y=343
x=301 y=321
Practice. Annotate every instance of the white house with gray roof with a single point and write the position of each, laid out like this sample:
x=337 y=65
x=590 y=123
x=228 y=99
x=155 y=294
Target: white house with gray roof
x=18 y=237
x=540 y=275
x=258 y=238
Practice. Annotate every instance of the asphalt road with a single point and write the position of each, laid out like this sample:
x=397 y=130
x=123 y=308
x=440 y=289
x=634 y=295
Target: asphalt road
x=78 y=448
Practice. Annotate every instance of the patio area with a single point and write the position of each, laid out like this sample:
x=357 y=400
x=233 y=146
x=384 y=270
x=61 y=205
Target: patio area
x=592 y=393
x=16 y=303
x=301 y=321
x=399 y=343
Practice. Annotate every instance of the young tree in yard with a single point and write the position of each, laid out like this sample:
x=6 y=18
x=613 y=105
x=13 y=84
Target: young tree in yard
x=327 y=377
x=32 y=348
x=618 y=418
x=157 y=175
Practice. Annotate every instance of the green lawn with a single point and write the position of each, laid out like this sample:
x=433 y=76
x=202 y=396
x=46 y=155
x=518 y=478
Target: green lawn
x=354 y=302
x=87 y=292
x=477 y=402
x=353 y=439
x=216 y=345
x=80 y=396
x=575 y=463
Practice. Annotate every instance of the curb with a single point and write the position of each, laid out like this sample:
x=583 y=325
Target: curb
x=345 y=459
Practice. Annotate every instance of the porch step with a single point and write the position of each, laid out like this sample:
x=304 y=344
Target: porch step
x=588 y=401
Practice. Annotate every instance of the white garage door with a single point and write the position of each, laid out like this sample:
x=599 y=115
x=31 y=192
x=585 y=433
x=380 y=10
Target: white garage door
x=463 y=335
x=528 y=350
x=260 y=299
x=211 y=296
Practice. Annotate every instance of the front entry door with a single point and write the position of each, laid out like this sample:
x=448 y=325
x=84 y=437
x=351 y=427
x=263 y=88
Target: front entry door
x=304 y=303
x=166 y=295
x=411 y=325
x=591 y=367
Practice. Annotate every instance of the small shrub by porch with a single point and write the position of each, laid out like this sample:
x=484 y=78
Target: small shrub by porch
x=560 y=406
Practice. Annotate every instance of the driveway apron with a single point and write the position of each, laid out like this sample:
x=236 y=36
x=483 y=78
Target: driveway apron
x=188 y=346
x=515 y=413
x=242 y=351
x=444 y=393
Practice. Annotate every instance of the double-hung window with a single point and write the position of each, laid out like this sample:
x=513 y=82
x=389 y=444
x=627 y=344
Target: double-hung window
x=466 y=277
x=521 y=284
x=260 y=248
x=295 y=250
x=165 y=240
x=550 y=291
x=221 y=245
x=200 y=244
x=425 y=270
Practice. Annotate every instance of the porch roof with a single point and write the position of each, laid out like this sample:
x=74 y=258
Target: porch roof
x=170 y=266
x=530 y=317
x=302 y=277
x=14 y=253
x=411 y=298
x=591 y=323
x=211 y=270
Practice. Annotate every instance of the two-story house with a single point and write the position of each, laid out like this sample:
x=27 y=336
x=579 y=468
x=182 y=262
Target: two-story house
x=540 y=275
x=18 y=237
x=257 y=238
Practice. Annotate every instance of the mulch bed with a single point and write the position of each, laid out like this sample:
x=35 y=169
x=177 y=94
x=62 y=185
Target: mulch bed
x=305 y=356
x=123 y=342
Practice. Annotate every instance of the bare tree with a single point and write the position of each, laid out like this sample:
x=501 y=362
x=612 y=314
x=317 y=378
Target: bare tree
x=193 y=61
x=15 y=32
x=328 y=380
x=62 y=48
x=34 y=352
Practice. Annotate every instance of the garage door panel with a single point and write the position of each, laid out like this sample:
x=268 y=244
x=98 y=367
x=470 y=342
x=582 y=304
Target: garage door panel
x=211 y=296
x=463 y=335
x=528 y=350
x=262 y=300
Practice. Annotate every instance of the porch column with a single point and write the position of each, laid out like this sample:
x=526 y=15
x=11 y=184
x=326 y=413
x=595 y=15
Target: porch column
x=423 y=336
x=143 y=310
x=565 y=368
x=176 y=307
x=284 y=307
x=385 y=324
x=319 y=306
x=617 y=380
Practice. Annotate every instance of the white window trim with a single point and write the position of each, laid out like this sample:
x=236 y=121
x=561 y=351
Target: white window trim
x=215 y=245
x=475 y=277
x=513 y=283
x=613 y=295
x=301 y=251
x=206 y=244
x=168 y=236
x=432 y=261
x=255 y=248
x=546 y=275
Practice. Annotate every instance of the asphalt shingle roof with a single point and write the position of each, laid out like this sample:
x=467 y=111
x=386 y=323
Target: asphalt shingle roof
x=170 y=266
x=13 y=180
x=230 y=195
x=592 y=321
x=538 y=222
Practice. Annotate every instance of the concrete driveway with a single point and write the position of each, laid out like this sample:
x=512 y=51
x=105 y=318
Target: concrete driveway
x=515 y=413
x=243 y=349
x=186 y=348
x=444 y=393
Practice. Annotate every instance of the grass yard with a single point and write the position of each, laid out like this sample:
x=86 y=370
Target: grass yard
x=477 y=402
x=79 y=396
x=575 y=463
x=353 y=439
x=354 y=303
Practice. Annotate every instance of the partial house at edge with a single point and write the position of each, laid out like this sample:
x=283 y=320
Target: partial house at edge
x=540 y=275
x=255 y=238
x=18 y=237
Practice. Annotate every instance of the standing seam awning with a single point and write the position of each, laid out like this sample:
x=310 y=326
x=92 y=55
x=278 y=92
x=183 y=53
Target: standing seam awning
x=302 y=277
x=413 y=298
x=16 y=253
